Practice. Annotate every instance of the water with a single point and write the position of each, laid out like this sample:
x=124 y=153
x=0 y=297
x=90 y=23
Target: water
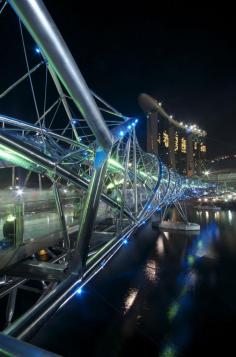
x=162 y=295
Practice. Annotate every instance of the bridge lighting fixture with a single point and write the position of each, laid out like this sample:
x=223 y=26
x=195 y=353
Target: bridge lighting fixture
x=19 y=192
x=125 y=241
x=129 y=127
x=206 y=173
x=136 y=121
x=37 y=50
x=160 y=104
x=121 y=133
x=79 y=291
x=133 y=124
x=171 y=116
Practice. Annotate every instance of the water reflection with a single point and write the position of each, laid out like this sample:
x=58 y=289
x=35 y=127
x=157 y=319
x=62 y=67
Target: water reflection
x=129 y=300
x=230 y=216
x=151 y=270
x=160 y=246
x=179 y=310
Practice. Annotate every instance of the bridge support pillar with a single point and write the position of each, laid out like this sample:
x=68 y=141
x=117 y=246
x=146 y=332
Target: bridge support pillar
x=152 y=127
x=190 y=158
x=89 y=212
x=172 y=147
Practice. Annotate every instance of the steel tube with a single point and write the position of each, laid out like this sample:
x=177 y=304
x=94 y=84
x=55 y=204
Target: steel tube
x=42 y=28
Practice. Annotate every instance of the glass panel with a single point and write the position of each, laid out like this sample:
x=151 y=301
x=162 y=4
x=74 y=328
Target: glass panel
x=40 y=214
x=7 y=223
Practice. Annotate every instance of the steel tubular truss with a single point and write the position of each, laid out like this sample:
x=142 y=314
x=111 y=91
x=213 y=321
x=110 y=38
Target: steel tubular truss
x=103 y=185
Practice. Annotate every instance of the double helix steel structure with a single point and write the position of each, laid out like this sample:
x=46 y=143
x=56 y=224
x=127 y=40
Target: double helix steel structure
x=102 y=187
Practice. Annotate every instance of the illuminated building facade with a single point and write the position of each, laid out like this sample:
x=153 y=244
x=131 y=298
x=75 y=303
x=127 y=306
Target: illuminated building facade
x=183 y=144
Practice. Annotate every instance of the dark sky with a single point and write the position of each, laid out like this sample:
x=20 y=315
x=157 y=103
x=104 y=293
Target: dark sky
x=182 y=53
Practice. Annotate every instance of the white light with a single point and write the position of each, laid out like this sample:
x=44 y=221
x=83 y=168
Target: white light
x=19 y=192
x=65 y=191
x=206 y=173
x=160 y=104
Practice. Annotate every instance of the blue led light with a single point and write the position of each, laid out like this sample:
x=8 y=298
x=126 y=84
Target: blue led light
x=79 y=291
x=125 y=241
x=37 y=50
x=133 y=124
x=129 y=127
x=121 y=133
x=103 y=263
x=136 y=120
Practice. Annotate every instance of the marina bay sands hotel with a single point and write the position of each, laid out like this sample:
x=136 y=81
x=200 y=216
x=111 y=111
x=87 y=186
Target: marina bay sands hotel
x=180 y=145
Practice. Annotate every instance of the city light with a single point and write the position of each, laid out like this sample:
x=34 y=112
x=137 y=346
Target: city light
x=37 y=50
x=206 y=173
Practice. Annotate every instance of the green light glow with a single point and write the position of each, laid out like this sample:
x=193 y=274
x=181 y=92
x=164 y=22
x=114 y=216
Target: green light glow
x=191 y=260
x=116 y=183
x=11 y=218
x=169 y=351
x=173 y=310
x=14 y=157
x=115 y=164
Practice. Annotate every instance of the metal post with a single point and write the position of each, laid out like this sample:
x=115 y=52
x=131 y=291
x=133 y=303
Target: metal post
x=40 y=182
x=89 y=212
x=11 y=303
x=19 y=209
x=135 y=174
x=63 y=99
x=61 y=215
x=127 y=149
x=13 y=174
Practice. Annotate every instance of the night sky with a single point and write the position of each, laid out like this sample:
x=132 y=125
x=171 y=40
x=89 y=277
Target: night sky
x=183 y=54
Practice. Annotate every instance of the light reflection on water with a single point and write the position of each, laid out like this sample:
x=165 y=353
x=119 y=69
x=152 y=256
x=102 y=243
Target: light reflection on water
x=129 y=300
x=151 y=270
x=160 y=246
x=216 y=227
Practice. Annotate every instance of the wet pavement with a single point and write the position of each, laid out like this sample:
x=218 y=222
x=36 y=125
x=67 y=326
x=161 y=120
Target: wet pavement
x=163 y=294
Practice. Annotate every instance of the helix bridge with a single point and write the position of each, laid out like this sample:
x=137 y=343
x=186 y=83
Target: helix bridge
x=100 y=185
